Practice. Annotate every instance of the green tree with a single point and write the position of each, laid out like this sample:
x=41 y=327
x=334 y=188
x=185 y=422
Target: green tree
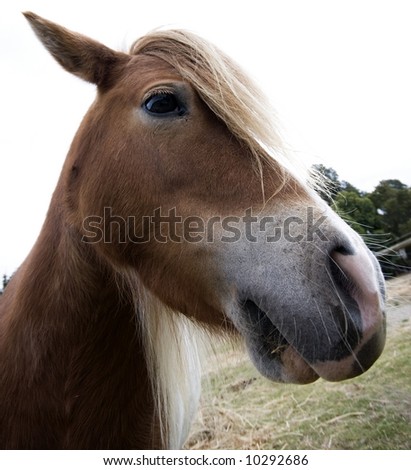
x=382 y=216
x=358 y=210
x=346 y=186
x=393 y=202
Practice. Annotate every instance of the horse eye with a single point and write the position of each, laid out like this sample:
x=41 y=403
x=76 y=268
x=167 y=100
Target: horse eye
x=164 y=103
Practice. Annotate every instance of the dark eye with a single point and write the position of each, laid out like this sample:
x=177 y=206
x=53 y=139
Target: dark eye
x=164 y=104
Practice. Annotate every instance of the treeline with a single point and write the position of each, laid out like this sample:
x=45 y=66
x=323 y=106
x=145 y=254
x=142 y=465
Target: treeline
x=382 y=217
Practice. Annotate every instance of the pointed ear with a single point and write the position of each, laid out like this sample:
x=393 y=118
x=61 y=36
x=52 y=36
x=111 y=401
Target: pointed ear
x=78 y=54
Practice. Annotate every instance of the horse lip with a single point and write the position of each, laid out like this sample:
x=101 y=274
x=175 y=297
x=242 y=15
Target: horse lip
x=361 y=360
x=273 y=339
x=271 y=352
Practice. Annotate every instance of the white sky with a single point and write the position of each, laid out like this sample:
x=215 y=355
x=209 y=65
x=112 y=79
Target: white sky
x=338 y=73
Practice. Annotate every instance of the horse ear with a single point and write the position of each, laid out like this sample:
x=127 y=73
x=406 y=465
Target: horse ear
x=78 y=54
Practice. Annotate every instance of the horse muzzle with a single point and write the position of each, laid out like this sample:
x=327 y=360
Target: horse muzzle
x=330 y=326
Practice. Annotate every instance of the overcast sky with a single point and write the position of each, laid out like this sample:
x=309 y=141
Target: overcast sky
x=338 y=73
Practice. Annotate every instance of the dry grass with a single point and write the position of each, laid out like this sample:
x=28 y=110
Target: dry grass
x=242 y=410
x=399 y=291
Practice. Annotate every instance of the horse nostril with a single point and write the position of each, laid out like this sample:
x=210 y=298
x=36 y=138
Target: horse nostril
x=351 y=271
x=340 y=275
x=342 y=250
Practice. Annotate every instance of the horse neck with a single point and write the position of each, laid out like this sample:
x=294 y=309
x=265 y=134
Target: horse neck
x=72 y=366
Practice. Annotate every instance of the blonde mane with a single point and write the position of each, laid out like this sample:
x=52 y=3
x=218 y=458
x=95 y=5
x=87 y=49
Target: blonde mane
x=174 y=346
x=229 y=93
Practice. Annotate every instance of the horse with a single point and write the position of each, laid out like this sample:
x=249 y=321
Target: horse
x=178 y=215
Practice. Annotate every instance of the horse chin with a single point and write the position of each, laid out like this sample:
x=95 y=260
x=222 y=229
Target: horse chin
x=286 y=366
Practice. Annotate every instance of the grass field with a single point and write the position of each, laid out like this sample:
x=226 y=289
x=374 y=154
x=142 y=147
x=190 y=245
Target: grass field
x=242 y=410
